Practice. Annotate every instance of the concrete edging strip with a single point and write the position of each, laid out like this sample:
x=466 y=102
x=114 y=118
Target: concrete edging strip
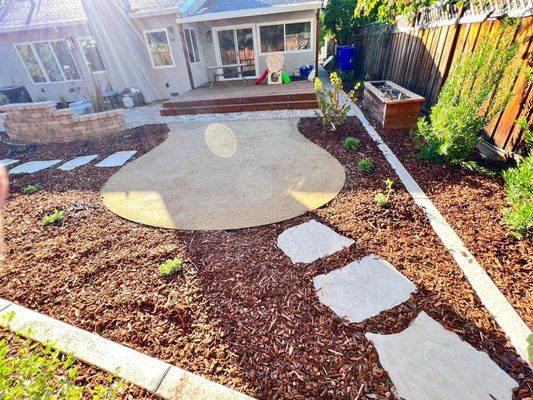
x=163 y=379
x=489 y=294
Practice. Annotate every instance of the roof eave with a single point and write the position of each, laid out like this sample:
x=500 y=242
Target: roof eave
x=312 y=5
x=154 y=13
x=20 y=28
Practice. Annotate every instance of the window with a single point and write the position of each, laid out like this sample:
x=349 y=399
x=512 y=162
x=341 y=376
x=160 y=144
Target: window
x=285 y=37
x=91 y=54
x=192 y=46
x=49 y=61
x=159 y=48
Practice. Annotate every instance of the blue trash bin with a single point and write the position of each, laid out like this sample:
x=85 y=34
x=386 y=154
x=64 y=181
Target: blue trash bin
x=346 y=58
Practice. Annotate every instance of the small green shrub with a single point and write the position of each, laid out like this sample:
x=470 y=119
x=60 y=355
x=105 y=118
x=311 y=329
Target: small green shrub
x=366 y=165
x=31 y=189
x=527 y=131
x=519 y=187
x=383 y=199
x=477 y=89
x=3 y=99
x=170 y=267
x=333 y=110
x=54 y=219
x=32 y=371
x=351 y=143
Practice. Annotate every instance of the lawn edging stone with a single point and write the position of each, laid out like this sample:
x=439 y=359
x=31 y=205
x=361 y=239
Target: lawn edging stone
x=163 y=379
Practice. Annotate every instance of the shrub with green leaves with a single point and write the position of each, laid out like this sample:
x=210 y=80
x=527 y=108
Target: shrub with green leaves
x=366 y=165
x=477 y=89
x=31 y=189
x=383 y=199
x=519 y=187
x=29 y=370
x=333 y=110
x=3 y=99
x=170 y=267
x=56 y=218
x=351 y=143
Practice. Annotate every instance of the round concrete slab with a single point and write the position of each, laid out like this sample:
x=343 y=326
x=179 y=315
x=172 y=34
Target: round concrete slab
x=227 y=175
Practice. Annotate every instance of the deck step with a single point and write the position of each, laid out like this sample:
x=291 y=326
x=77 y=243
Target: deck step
x=274 y=98
x=227 y=108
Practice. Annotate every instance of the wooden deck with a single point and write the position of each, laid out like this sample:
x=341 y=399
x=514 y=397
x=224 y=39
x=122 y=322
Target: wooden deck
x=234 y=96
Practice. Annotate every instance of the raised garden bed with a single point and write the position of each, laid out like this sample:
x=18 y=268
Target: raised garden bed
x=239 y=312
x=392 y=105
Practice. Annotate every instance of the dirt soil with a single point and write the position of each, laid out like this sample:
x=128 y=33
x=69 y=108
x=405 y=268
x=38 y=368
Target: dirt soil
x=239 y=313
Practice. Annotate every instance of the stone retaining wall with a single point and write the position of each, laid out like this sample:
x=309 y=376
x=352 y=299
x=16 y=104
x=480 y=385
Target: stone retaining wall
x=43 y=123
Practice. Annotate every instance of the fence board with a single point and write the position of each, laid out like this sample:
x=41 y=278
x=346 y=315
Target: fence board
x=420 y=59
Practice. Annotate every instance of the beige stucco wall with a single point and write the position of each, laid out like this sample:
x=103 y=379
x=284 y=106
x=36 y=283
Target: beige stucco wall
x=12 y=70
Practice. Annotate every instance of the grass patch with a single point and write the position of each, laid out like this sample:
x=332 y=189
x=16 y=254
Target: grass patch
x=351 y=143
x=170 y=267
x=56 y=218
x=366 y=165
x=31 y=189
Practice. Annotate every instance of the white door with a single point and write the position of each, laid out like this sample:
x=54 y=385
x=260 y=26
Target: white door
x=236 y=45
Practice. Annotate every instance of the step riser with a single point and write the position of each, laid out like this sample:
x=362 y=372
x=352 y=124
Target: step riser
x=240 y=101
x=240 y=108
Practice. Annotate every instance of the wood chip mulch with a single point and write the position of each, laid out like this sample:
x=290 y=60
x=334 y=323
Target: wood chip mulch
x=240 y=313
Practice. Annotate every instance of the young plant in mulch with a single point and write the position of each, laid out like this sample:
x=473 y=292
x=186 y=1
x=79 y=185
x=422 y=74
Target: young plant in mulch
x=170 y=267
x=31 y=189
x=351 y=143
x=477 y=89
x=366 y=165
x=29 y=370
x=383 y=199
x=519 y=187
x=333 y=110
x=56 y=218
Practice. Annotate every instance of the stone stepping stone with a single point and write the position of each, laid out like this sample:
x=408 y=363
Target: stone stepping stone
x=117 y=159
x=427 y=362
x=363 y=288
x=77 y=162
x=311 y=241
x=33 y=166
x=7 y=162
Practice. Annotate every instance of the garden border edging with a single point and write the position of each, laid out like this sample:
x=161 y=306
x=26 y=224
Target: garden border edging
x=164 y=380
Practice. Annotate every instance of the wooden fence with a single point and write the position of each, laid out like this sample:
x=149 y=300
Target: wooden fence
x=419 y=59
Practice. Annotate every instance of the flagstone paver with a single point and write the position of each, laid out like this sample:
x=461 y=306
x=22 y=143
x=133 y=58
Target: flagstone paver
x=117 y=159
x=33 y=166
x=427 y=362
x=7 y=162
x=77 y=162
x=311 y=241
x=363 y=288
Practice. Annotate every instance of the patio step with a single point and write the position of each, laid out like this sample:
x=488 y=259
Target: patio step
x=257 y=99
x=239 y=107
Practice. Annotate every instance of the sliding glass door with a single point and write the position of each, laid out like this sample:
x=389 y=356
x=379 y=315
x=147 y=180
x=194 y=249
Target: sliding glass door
x=236 y=46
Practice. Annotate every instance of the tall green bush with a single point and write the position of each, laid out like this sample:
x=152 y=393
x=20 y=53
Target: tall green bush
x=477 y=89
x=333 y=110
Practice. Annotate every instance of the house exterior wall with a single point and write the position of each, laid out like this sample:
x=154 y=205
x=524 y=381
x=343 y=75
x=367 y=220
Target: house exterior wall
x=13 y=72
x=293 y=60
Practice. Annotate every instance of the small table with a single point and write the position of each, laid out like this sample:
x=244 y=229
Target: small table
x=215 y=71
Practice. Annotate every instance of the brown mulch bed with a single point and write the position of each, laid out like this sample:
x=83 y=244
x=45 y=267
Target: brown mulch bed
x=87 y=376
x=240 y=313
x=472 y=204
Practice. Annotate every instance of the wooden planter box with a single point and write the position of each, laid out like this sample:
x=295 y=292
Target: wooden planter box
x=393 y=106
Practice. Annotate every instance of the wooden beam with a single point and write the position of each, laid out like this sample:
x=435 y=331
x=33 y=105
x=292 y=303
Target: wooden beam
x=317 y=40
x=186 y=54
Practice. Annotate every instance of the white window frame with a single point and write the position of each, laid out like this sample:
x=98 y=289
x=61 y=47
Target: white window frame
x=196 y=59
x=48 y=80
x=150 y=53
x=78 y=40
x=284 y=23
x=216 y=43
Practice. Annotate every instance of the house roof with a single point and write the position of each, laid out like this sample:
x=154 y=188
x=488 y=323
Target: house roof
x=154 y=5
x=230 y=6
x=23 y=13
